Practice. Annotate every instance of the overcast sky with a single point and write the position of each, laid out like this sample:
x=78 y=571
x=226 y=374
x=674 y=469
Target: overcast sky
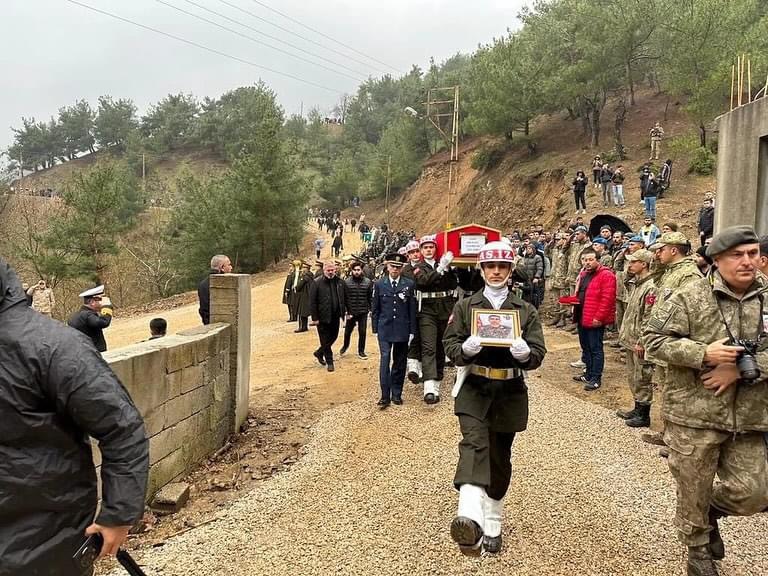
x=55 y=52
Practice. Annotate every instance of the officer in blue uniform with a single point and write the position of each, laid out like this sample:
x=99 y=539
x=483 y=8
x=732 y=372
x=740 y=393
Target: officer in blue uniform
x=393 y=317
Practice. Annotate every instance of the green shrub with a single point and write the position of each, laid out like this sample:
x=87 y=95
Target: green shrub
x=489 y=156
x=609 y=156
x=702 y=162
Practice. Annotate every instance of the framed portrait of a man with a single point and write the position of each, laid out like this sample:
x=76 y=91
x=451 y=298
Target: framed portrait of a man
x=496 y=327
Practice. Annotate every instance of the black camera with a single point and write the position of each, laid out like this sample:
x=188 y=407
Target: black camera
x=746 y=361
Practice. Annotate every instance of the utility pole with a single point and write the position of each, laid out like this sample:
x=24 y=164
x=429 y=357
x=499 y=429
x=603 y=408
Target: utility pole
x=386 y=197
x=144 y=174
x=443 y=112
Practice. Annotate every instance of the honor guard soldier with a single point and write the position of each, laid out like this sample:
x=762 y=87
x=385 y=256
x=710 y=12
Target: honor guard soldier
x=712 y=336
x=413 y=253
x=94 y=315
x=436 y=295
x=393 y=318
x=491 y=400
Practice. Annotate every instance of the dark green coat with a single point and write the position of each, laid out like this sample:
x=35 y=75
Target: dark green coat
x=501 y=403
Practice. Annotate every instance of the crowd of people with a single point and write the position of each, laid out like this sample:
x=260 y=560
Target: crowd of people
x=630 y=287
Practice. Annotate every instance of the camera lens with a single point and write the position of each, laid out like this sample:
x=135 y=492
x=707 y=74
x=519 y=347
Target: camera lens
x=747 y=365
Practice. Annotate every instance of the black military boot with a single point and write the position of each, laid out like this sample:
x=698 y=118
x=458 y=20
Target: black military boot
x=627 y=414
x=700 y=562
x=642 y=418
x=716 y=544
x=468 y=535
x=492 y=544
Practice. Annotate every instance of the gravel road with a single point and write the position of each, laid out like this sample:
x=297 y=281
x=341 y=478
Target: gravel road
x=373 y=495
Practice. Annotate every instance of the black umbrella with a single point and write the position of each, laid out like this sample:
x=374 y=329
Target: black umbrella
x=616 y=224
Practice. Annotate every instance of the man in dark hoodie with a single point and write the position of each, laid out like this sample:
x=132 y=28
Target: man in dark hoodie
x=58 y=392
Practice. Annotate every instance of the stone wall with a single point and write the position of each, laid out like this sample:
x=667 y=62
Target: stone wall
x=742 y=167
x=181 y=385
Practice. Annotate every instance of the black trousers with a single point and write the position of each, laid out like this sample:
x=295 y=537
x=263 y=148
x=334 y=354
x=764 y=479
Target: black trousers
x=432 y=328
x=361 y=321
x=303 y=322
x=328 y=333
x=580 y=199
x=485 y=457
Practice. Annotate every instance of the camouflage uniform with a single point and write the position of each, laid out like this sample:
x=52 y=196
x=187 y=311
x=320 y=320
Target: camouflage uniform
x=642 y=296
x=674 y=277
x=559 y=283
x=711 y=435
x=494 y=332
x=606 y=260
x=574 y=263
x=622 y=280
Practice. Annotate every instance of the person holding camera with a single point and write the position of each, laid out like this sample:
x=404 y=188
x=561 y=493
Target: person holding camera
x=712 y=335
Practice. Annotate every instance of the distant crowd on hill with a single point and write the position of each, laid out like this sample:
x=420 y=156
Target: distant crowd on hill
x=41 y=192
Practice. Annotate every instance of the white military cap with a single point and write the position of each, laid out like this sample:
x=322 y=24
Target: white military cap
x=91 y=292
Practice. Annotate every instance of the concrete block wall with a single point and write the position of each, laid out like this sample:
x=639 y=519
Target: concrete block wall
x=182 y=386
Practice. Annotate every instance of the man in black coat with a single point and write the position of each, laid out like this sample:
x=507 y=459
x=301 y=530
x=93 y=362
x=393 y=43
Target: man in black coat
x=358 y=291
x=55 y=392
x=706 y=221
x=326 y=302
x=94 y=315
x=220 y=264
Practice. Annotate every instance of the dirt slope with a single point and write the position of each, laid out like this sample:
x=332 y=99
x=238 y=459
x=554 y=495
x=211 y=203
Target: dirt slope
x=524 y=190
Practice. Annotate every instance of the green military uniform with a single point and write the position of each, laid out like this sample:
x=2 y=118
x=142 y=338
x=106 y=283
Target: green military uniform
x=488 y=331
x=606 y=260
x=711 y=435
x=560 y=280
x=673 y=277
x=642 y=297
x=491 y=411
x=414 y=348
x=574 y=262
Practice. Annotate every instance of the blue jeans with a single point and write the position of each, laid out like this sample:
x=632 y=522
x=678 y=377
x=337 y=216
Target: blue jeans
x=618 y=194
x=394 y=357
x=591 y=341
x=650 y=207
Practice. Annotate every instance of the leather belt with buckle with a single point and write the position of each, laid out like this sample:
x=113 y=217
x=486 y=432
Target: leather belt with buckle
x=496 y=373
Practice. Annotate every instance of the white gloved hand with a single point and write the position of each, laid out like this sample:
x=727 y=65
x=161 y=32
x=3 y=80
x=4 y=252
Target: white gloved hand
x=471 y=346
x=520 y=350
x=445 y=262
x=410 y=339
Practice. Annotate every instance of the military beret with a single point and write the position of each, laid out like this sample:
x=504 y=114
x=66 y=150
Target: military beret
x=670 y=239
x=605 y=227
x=580 y=229
x=730 y=237
x=637 y=238
x=600 y=240
x=641 y=255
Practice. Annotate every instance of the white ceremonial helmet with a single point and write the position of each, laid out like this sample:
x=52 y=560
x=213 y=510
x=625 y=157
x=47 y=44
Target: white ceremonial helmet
x=496 y=251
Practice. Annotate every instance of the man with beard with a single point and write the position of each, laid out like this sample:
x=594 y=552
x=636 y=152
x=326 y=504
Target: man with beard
x=326 y=304
x=358 y=291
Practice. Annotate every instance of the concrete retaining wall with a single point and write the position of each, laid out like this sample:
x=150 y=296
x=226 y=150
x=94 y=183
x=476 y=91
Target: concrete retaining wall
x=181 y=385
x=742 y=167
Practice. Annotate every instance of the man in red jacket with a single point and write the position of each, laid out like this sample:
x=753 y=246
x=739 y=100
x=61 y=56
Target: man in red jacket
x=596 y=291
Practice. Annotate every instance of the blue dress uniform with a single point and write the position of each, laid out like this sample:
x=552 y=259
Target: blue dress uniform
x=393 y=317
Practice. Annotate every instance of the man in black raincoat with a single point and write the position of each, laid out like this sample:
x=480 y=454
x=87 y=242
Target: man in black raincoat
x=55 y=391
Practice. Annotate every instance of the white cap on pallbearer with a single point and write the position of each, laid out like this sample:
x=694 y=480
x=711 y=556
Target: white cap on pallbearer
x=91 y=292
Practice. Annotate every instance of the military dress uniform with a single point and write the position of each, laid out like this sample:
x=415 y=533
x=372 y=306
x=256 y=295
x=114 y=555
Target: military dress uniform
x=393 y=319
x=492 y=401
x=414 y=348
x=436 y=295
x=90 y=322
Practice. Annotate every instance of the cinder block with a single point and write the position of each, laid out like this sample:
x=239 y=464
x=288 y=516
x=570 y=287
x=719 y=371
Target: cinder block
x=177 y=410
x=165 y=470
x=180 y=356
x=147 y=387
x=173 y=384
x=154 y=421
x=162 y=444
x=170 y=498
x=191 y=378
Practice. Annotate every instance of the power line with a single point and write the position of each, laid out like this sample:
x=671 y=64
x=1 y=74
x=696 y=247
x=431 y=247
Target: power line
x=323 y=34
x=289 y=31
x=252 y=39
x=299 y=48
x=201 y=46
